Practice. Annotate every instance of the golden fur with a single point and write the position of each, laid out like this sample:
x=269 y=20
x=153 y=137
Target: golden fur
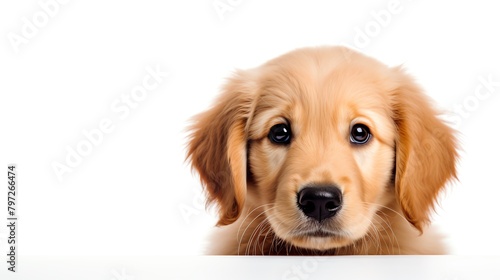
x=389 y=185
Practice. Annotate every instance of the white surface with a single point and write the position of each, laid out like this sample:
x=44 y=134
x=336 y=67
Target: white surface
x=242 y=268
x=127 y=196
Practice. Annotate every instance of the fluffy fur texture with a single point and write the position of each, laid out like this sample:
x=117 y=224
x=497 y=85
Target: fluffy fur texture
x=389 y=185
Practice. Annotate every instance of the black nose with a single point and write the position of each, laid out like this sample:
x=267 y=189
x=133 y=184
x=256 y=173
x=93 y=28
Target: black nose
x=320 y=202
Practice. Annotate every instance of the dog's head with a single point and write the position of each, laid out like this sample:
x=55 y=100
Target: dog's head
x=321 y=139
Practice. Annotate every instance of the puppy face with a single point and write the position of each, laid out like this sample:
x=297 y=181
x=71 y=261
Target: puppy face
x=336 y=120
x=319 y=140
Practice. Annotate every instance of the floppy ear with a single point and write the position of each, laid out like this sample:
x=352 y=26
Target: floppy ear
x=425 y=151
x=217 y=148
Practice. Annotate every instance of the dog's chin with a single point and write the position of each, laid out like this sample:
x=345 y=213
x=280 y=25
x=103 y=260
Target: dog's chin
x=319 y=240
x=322 y=236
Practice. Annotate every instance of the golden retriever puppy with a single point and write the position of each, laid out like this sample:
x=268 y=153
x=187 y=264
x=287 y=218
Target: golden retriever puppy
x=322 y=151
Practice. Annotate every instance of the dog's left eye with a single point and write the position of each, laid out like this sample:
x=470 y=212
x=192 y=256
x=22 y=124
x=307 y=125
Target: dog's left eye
x=280 y=134
x=360 y=134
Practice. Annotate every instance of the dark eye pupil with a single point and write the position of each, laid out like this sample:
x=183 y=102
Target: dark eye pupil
x=280 y=134
x=360 y=134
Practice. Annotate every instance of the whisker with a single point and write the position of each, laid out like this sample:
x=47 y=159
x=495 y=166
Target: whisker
x=391 y=235
x=386 y=207
x=270 y=229
x=248 y=215
x=391 y=241
x=240 y=239
x=257 y=233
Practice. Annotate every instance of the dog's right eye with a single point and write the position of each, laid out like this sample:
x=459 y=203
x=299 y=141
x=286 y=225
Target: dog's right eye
x=280 y=134
x=360 y=134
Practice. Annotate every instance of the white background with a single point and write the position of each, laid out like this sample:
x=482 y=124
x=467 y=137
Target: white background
x=133 y=194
